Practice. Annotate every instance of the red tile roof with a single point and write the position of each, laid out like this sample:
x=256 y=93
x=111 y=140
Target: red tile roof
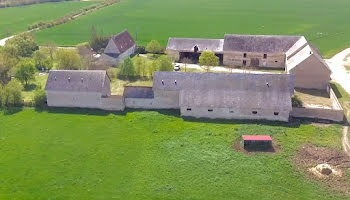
x=257 y=137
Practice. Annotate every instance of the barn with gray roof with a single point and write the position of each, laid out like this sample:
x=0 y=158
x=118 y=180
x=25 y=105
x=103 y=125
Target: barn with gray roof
x=229 y=96
x=77 y=88
x=294 y=54
x=118 y=47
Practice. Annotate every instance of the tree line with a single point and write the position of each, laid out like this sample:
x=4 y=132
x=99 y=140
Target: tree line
x=13 y=3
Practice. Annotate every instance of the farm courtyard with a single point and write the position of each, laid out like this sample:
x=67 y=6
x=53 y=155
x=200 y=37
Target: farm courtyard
x=88 y=154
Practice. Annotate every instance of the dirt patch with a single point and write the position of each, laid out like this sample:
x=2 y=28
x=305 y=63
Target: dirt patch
x=324 y=164
x=238 y=146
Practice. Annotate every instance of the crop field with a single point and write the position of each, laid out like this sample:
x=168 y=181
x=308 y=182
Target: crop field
x=323 y=22
x=16 y=19
x=87 y=154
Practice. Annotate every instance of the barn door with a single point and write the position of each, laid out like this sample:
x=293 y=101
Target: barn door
x=254 y=62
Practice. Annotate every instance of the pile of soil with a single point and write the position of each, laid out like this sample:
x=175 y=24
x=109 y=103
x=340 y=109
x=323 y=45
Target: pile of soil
x=310 y=158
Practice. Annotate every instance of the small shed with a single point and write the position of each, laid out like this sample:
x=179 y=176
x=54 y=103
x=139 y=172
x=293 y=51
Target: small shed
x=257 y=142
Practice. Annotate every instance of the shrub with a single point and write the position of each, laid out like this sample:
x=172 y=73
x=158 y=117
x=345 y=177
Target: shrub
x=25 y=71
x=12 y=94
x=111 y=73
x=165 y=63
x=296 y=101
x=40 y=98
x=68 y=59
x=140 y=50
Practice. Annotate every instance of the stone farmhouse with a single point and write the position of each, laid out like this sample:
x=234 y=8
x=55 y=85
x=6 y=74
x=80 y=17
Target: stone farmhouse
x=119 y=47
x=294 y=54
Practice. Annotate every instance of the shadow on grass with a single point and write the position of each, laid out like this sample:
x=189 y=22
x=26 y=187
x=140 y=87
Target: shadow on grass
x=30 y=87
x=11 y=110
x=336 y=90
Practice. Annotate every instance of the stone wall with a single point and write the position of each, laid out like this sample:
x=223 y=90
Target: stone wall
x=227 y=113
x=113 y=103
x=335 y=114
x=277 y=61
x=162 y=100
x=318 y=113
x=73 y=99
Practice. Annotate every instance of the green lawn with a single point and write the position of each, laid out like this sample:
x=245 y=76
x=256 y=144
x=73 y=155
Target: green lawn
x=323 y=22
x=40 y=82
x=16 y=19
x=80 y=154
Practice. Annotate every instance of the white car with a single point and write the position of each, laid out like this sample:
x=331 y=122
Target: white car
x=177 y=68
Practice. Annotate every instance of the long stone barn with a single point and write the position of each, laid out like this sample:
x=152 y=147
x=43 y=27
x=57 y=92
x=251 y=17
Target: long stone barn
x=207 y=95
x=294 y=54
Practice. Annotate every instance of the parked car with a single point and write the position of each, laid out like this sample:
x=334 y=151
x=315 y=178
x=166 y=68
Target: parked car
x=177 y=68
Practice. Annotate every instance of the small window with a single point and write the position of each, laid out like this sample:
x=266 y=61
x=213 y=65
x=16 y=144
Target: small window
x=276 y=113
x=276 y=61
x=189 y=109
x=210 y=110
x=255 y=112
x=244 y=55
x=265 y=56
x=231 y=111
x=244 y=62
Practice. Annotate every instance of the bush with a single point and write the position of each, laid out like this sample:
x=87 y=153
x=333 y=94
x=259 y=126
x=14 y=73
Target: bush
x=127 y=69
x=153 y=47
x=40 y=98
x=12 y=94
x=68 y=59
x=296 y=101
x=111 y=73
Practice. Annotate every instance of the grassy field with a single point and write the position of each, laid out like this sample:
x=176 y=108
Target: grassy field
x=81 y=154
x=323 y=22
x=16 y=19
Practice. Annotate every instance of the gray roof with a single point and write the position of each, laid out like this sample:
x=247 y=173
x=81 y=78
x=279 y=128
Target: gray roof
x=120 y=43
x=188 y=44
x=260 y=91
x=138 y=92
x=259 y=43
x=76 y=80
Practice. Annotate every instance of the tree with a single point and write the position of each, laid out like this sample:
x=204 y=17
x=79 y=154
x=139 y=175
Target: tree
x=51 y=49
x=25 y=71
x=12 y=94
x=127 y=68
x=41 y=60
x=24 y=43
x=165 y=63
x=39 y=98
x=68 y=59
x=186 y=61
x=97 y=41
x=153 y=67
x=140 y=66
x=208 y=59
x=153 y=47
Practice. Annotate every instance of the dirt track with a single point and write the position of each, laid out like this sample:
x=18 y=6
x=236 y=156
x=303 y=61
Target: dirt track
x=345 y=141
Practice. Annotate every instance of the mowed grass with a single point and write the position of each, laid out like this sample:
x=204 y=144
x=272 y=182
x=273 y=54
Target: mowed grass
x=16 y=19
x=81 y=154
x=323 y=22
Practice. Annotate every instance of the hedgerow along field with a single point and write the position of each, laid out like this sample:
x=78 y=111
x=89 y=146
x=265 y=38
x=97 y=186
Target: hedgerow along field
x=86 y=154
x=323 y=22
x=16 y=19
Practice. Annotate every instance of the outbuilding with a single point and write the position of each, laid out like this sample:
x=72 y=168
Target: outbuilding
x=257 y=142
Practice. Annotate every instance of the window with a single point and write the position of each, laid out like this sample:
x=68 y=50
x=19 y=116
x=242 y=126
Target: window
x=231 y=111
x=244 y=62
x=255 y=112
x=210 y=110
x=276 y=61
x=244 y=55
x=265 y=56
x=189 y=109
x=276 y=113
